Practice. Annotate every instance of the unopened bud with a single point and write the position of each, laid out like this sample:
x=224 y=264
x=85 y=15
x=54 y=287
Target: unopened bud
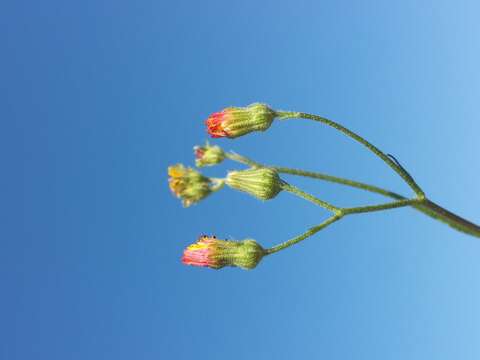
x=263 y=183
x=233 y=122
x=211 y=252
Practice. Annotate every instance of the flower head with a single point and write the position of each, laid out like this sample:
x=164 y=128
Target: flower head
x=214 y=253
x=189 y=185
x=208 y=155
x=263 y=183
x=233 y=122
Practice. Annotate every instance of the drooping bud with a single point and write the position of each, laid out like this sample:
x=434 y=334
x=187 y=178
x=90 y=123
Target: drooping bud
x=263 y=183
x=208 y=155
x=189 y=185
x=211 y=252
x=233 y=122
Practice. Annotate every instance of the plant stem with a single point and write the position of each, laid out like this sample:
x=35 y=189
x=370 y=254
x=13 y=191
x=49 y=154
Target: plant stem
x=425 y=206
x=294 y=190
x=352 y=210
x=386 y=206
x=437 y=212
x=316 y=175
x=396 y=167
x=338 y=180
x=303 y=236
x=338 y=214
x=242 y=159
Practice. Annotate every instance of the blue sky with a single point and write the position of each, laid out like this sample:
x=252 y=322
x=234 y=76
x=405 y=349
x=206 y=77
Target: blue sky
x=100 y=97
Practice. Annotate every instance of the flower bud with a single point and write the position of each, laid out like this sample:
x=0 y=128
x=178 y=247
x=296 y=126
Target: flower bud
x=263 y=183
x=188 y=184
x=233 y=122
x=208 y=155
x=214 y=253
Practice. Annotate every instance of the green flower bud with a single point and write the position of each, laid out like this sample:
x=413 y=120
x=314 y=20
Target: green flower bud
x=233 y=122
x=249 y=254
x=263 y=183
x=211 y=252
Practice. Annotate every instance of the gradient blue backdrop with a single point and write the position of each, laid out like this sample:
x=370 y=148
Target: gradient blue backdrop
x=99 y=97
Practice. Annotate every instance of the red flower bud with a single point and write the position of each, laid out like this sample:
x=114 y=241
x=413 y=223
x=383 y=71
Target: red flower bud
x=236 y=121
x=211 y=252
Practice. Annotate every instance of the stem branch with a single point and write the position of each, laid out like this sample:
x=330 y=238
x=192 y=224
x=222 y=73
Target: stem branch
x=437 y=212
x=425 y=206
x=303 y=236
x=338 y=180
x=398 y=169
x=386 y=206
x=294 y=190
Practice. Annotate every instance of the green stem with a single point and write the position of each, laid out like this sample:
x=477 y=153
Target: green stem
x=396 y=167
x=338 y=180
x=303 y=236
x=426 y=206
x=294 y=190
x=242 y=159
x=316 y=175
x=351 y=210
x=386 y=206
x=437 y=212
x=338 y=214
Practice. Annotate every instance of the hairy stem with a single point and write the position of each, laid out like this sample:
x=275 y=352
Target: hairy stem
x=386 y=206
x=437 y=212
x=394 y=165
x=316 y=175
x=294 y=190
x=242 y=159
x=338 y=180
x=303 y=236
x=425 y=206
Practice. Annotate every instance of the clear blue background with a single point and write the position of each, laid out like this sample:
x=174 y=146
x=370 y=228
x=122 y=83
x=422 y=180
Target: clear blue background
x=97 y=99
